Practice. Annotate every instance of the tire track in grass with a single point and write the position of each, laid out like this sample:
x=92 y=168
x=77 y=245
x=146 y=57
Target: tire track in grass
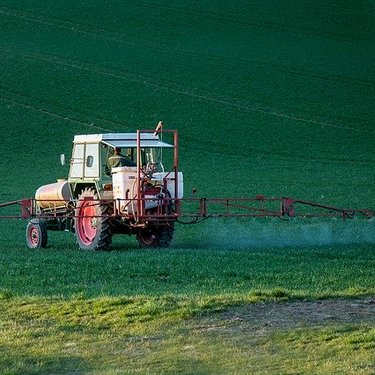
x=107 y=35
x=57 y=23
x=258 y=151
x=255 y=152
x=338 y=7
x=170 y=86
x=24 y=101
x=174 y=88
x=221 y=100
x=260 y=65
x=235 y=19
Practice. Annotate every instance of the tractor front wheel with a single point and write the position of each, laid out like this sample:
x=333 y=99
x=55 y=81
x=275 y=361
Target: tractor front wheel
x=92 y=222
x=36 y=234
x=155 y=236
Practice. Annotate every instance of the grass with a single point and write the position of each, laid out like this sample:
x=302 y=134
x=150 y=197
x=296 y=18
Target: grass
x=269 y=99
x=133 y=311
x=132 y=336
x=207 y=270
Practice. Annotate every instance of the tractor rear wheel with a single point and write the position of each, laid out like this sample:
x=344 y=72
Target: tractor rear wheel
x=36 y=234
x=155 y=236
x=92 y=222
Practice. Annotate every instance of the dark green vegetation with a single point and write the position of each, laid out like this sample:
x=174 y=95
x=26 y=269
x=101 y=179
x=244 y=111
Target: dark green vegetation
x=269 y=97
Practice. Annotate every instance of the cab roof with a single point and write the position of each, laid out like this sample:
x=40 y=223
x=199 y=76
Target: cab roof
x=122 y=140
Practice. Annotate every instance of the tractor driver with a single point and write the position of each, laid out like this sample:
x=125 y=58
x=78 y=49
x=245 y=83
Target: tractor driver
x=118 y=160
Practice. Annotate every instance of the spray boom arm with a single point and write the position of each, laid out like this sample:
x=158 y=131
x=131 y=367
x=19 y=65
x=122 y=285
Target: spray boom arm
x=197 y=209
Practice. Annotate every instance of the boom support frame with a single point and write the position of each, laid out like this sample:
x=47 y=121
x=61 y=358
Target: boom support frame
x=196 y=209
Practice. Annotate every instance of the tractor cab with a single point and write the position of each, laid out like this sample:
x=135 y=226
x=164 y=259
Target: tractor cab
x=91 y=153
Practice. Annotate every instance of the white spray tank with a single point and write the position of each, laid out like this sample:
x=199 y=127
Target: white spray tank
x=124 y=180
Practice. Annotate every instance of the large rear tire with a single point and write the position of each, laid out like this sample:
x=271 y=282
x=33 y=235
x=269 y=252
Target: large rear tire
x=36 y=234
x=92 y=222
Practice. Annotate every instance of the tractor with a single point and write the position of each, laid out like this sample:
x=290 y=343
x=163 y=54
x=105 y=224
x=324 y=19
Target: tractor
x=139 y=197
x=129 y=183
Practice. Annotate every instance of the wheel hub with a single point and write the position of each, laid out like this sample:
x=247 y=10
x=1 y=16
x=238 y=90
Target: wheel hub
x=34 y=236
x=87 y=223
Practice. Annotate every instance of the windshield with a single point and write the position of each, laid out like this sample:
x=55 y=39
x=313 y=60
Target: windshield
x=150 y=158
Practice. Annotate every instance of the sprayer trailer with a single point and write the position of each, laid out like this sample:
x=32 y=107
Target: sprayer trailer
x=130 y=183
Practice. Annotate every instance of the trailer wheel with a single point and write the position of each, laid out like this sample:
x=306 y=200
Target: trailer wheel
x=155 y=236
x=92 y=222
x=36 y=234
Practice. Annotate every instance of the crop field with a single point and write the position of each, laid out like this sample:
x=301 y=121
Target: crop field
x=269 y=97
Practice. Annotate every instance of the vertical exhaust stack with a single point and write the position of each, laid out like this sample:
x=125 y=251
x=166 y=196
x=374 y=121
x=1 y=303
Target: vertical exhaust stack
x=159 y=128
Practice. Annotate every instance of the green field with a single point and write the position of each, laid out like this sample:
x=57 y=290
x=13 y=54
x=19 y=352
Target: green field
x=273 y=98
